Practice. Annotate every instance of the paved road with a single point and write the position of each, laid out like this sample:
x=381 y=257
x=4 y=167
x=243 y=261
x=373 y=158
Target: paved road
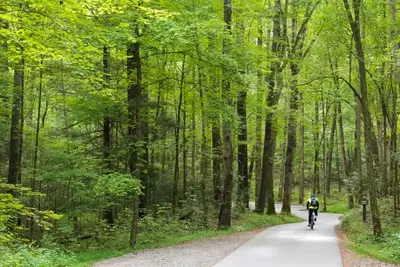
x=290 y=245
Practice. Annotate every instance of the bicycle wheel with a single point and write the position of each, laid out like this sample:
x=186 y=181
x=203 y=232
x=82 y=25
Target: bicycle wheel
x=312 y=221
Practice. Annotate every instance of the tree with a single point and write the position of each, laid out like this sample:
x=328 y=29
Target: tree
x=134 y=69
x=226 y=205
x=370 y=139
x=14 y=169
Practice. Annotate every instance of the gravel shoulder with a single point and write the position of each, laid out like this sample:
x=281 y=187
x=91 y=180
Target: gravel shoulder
x=198 y=253
x=351 y=259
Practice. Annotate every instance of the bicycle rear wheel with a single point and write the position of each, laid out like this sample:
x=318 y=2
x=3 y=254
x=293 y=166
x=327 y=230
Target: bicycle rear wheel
x=312 y=221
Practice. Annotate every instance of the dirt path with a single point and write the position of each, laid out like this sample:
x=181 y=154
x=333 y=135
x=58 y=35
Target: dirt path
x=204 y=253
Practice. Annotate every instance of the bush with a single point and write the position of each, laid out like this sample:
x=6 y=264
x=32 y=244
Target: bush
x=28 y=256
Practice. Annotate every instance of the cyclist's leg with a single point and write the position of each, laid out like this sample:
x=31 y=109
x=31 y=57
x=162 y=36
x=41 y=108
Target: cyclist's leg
x=309 y=215
x=316 y=214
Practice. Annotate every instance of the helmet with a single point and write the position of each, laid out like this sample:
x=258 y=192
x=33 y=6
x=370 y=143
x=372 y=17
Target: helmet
x=312 y=195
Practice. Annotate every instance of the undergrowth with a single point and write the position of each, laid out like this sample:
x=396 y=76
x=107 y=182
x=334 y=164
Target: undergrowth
x=362 y=240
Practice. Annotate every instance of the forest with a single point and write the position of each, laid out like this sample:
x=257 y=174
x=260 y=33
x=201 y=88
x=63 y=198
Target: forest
x=125 y=122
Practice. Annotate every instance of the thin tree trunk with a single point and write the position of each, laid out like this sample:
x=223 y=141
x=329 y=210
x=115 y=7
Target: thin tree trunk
x=216 y=135
x=316 y=149
x=257 y=150
x=217 y=172
x=339 y=177
x=342 y=146
x=282 y=175
x=251 y=167
x=177 y=131
x=357 y=144
x=193 y=154
x=185 y=180
x=385 y=145
x=257 y=156
x=330 y=153
x=323 y=137
x=204 y=159
x=301 y=183
x=36 y=152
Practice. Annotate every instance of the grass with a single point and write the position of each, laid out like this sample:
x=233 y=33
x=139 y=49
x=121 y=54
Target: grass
x=336 y=202
x=246 y=222
x=376 y=251
x=362 y=241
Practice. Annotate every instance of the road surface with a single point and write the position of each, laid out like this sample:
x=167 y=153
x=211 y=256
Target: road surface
x=291 y=245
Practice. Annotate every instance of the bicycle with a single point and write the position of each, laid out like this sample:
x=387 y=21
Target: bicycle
x=312 y=220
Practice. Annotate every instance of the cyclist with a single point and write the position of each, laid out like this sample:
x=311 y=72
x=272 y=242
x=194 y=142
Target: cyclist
x=312 y=206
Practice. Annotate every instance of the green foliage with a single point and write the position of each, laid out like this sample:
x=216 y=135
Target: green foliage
x=384 y=248
x=25 y=256
x=12 y=208
x=115 y=186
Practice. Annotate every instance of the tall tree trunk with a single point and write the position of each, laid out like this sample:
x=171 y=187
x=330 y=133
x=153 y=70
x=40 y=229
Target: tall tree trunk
x=36 y=151
x=134 y=71
x=177 y=131
x=395 y=78
x=243 y=197
x=16 y=118
x=226 y=207
x=108 y=211
x=291 y=142
x=370 y=139
x=257 y=150
x=267 y=179
x=323 y=141
x=204 y=158
x=216 y=136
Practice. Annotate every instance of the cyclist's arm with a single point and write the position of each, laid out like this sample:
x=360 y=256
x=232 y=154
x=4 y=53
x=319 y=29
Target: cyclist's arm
x=308 y=204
